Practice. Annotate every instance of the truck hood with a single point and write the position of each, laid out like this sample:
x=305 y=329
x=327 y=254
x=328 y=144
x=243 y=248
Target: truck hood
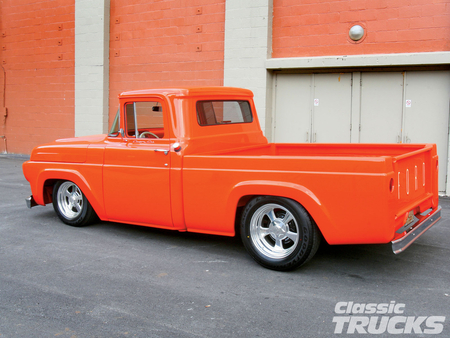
x=69 y=150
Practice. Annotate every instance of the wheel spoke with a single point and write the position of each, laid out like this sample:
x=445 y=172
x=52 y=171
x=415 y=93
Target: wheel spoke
x=271 y=215
x=263 y=232
x=287 y=218
x=77 y=206
x=293 y=236
x=66 y=195
x=278 y=244
x=69 y=205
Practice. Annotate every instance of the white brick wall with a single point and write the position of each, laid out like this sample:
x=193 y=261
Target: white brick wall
x=247 y=47
x=91 y=66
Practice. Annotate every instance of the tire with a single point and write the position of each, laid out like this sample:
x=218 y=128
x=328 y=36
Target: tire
x=279 y=233
x=71 y=205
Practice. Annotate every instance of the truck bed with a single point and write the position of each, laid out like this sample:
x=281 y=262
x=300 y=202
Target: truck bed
x=356 y=193
x=329 y=150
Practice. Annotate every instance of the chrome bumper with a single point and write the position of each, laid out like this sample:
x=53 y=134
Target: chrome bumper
x=417 y=229
x=30 y=202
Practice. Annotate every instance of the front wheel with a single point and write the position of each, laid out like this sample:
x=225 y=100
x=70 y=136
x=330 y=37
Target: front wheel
x=71 y=205
x=278 y=233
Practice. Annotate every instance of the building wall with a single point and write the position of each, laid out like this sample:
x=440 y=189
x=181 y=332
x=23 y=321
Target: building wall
x=37 y=62
x=404 y=39
x=91 y=66
x=247 y=47
x=320 y=27
x=64 y=62
x=165 y=43
x=181 y=42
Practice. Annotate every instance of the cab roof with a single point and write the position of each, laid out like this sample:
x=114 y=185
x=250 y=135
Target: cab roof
x=188 y=91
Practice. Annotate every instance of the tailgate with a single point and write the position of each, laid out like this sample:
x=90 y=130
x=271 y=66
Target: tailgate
x=415 y=193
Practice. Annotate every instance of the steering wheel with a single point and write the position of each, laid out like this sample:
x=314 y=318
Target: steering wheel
x=142 y=135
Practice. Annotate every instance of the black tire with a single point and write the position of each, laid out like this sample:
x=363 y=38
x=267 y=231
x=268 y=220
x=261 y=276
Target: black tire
x=71 y=205
x=279 y=233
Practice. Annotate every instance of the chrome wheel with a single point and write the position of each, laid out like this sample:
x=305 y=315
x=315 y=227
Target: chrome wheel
x=70 y=200
x=71 y=205
x=278 y=232
x=274 y=231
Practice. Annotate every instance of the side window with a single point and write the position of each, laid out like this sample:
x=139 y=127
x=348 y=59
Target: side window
x=115 y=128
x=223 y=112
x=144 y=119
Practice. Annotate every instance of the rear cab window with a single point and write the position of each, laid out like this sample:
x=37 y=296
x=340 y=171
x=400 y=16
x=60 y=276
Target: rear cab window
x=215 y=112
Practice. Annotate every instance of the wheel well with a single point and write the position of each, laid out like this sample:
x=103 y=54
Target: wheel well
x=239 y=208
x=48 y=190
x=243 y=201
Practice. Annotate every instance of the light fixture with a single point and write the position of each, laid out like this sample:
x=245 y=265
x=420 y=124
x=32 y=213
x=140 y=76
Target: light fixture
x=356 y=33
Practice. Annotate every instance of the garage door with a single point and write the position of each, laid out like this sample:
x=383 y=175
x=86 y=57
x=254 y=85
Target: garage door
x=313 y=108
x=381 y=107
x=407 y=107
x=385 y=107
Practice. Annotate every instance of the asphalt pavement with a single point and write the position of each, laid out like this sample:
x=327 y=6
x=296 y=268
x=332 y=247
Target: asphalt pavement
x=116 y=280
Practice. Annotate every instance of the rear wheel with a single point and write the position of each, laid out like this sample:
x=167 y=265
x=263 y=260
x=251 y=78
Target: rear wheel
x=71 y=205
x=278 y=233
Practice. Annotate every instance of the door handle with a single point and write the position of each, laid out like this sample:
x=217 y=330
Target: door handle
x=176 y=147
x=165 y=151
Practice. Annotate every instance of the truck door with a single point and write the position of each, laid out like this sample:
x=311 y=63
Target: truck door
x=136 y=171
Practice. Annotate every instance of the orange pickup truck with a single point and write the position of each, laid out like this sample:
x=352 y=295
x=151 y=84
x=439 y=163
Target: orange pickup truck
x=195 y=159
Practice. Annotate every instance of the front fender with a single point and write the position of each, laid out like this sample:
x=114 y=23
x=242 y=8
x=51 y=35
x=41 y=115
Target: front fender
x=90 y=181
x=293 y=191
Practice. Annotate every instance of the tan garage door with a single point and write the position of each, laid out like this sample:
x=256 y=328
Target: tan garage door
x=313 y=107
x=382 y=107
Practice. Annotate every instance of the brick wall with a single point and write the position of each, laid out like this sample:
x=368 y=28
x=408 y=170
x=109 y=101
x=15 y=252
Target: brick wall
x=320 y=27
x=165 y=43
x=37 y=54
x=182 y=42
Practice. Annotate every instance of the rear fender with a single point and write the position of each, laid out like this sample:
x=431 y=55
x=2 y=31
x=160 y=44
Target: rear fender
x=296 y=192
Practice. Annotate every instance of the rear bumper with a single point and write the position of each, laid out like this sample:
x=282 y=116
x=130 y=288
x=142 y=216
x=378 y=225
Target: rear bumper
x=416 y=230
x=30 y=202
